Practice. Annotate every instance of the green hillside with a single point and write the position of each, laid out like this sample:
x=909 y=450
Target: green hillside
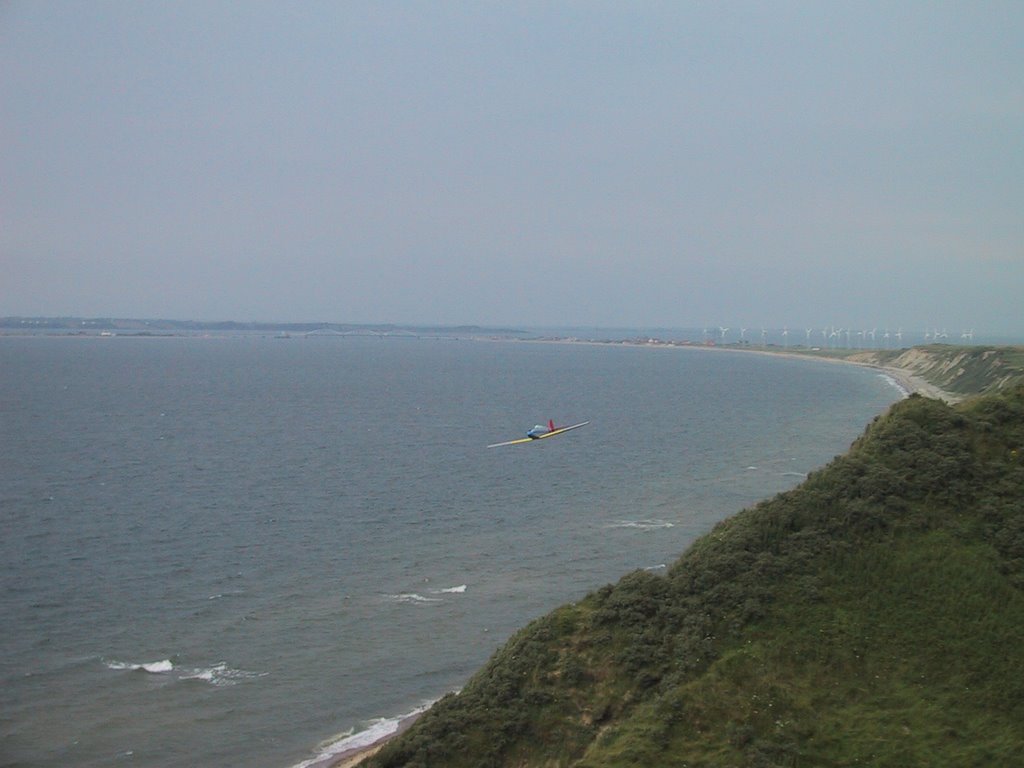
x=872 y=616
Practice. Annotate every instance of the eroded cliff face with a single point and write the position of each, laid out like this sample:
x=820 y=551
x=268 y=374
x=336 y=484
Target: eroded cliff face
x=960 y=370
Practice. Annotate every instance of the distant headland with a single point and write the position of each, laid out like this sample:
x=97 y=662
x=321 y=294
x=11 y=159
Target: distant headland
x=110 y=326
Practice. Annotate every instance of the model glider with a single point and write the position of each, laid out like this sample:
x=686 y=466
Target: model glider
x=540 y=432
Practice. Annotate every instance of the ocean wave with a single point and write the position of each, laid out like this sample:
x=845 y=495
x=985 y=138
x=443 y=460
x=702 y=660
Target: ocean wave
x=451 y=590
x=153 y=667
x=894 y=382
x=222 y=595
x=354 y=741
x=642 y=525
x=413 y=598
x=219 y=674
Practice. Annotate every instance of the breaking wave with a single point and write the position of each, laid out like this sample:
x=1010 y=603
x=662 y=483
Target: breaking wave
x=452 y=590
x=219 y=674
x=895 y=383
x=353 y=741
x=153 y=667
x=413 y=598
x=641 y=525
x=432 y=596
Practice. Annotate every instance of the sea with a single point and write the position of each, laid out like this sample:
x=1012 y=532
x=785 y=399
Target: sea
x=244 y=550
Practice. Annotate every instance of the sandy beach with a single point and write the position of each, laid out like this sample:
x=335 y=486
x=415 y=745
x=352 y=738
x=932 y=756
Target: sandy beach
x=357 y=756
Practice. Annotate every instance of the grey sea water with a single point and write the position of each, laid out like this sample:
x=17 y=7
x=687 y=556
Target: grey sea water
x=240 y=551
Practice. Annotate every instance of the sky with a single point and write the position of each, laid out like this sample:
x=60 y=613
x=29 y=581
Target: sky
x=641 y=164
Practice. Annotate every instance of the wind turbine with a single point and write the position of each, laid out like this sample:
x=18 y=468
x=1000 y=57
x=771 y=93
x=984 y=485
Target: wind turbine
x=808 y=335
x=724 y=331
x=764 y=337
x=785 y=338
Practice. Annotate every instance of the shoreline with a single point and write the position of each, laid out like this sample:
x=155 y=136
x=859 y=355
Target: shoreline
x=347 y=757
x=905 y=379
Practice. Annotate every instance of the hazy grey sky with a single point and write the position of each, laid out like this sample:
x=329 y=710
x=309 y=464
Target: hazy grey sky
x=576 y=163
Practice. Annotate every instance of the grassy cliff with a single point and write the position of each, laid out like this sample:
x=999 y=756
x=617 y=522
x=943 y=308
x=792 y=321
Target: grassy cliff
x=872 y=615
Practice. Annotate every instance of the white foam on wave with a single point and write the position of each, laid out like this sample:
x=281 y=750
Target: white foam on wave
x=353 y=741
x=153 y=667
x=642 y=525
x=222 y=595
x=452 y=590
x=413 y=598
x=221 y=674
x=892 y=381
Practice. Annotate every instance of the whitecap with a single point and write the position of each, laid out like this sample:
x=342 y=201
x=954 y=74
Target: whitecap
x=642 y=525
x=200 y=674
x=230 y=593
x=153 y=667
x=221 y=674
x=412 y=597
x=452 y=590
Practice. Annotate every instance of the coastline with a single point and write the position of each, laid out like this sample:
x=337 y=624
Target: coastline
x=905 y=379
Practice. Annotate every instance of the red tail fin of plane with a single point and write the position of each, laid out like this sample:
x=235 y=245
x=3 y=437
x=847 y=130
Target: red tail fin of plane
x=551 y=425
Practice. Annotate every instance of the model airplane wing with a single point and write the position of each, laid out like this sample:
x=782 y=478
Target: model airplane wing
x=512 y=442
x=552 y=433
